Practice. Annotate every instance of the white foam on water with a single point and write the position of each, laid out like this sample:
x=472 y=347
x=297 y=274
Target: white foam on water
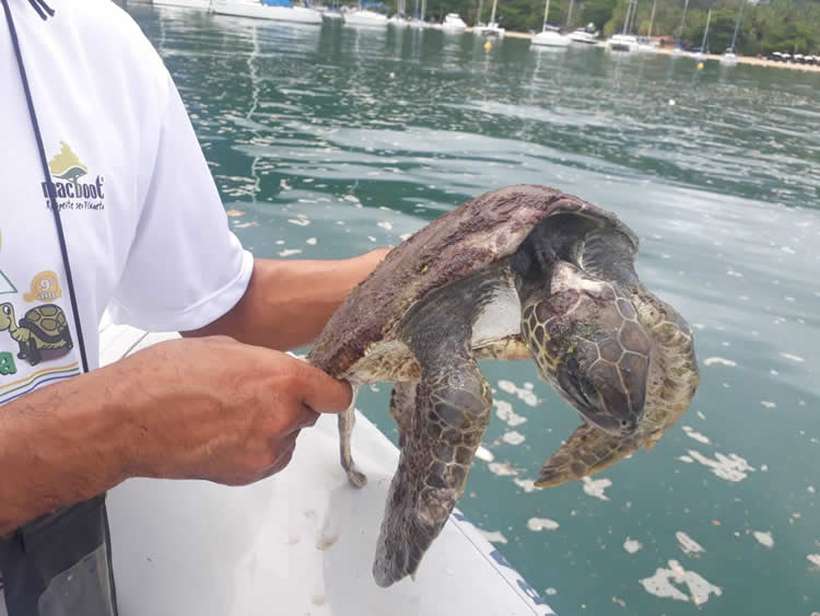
x=311 y=241
x=539 y=524
x=686 y=459
x=689 y=546
x=662 y=585
x=287 y=252
x=484 y=454
x=795 y=358
x=528 y=485
x=527 y=396
x=513 y=437
x=504 y=411
x=302 y=222
x=719 y=361
x=764 y=538
x=814 y=559
x=632 y=545
x=493 y=536
x=596 y=487
x=502 y=469
x=731 y=467
x=550 y=592
x=387 y=226
x=692 y=433
x=768 y=404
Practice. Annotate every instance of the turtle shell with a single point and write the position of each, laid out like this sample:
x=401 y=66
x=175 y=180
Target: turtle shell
x=46 y=322
x=457 y=245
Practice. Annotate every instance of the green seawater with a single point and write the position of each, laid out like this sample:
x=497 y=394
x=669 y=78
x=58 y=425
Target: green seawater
x=327 y=142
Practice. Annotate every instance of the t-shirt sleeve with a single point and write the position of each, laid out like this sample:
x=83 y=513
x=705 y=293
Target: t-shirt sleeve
x=185 y=268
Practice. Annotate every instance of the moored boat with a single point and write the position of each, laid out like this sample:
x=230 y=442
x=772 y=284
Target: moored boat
x=453 y=23
x=365 y=18
x=275 y=10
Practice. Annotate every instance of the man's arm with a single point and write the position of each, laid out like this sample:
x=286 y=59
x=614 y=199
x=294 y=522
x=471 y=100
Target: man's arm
x=287 y=303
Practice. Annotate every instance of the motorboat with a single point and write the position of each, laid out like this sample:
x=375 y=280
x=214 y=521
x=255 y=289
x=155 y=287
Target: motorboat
x=187 y=4
x=622 y=42
x=646 y=45
x=267 y=9
x=551 y=36
x=728 y=57
x=399 y=21
x=453 y=23
x=584 y=36
x=365 y=18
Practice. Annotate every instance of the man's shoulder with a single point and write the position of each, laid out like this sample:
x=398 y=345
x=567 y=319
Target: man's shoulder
x=106 y=30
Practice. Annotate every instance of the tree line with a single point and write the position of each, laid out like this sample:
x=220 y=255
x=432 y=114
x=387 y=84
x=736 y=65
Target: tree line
x=777 y=25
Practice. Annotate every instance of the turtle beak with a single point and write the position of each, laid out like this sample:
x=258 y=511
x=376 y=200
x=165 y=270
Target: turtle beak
x=599 y=397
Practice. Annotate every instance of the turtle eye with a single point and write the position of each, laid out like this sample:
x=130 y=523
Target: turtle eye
x=6 y=310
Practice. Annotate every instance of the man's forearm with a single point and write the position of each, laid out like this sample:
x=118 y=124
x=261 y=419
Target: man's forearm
x=59 y=446
x=288 y=302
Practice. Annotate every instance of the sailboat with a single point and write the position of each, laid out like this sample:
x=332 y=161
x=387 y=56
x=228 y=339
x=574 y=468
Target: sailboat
x=550 y=36
x=679 y=47
x=624 y=41
x=701 y=53
x=365 y=18
x=492 y=28
x=276 y=10
x=645 y=43
x=399 y=20
x=729 y=56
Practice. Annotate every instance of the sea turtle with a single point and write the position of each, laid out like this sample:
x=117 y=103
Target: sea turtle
x=522 y=272
x=42 y=333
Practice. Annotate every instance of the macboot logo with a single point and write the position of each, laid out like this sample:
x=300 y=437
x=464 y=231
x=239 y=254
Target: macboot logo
x=74 y=186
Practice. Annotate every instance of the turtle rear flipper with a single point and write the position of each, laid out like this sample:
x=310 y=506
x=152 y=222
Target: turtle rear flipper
x=440 y=436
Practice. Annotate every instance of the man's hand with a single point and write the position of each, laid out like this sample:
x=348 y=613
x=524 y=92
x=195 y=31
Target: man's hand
x=213 y=408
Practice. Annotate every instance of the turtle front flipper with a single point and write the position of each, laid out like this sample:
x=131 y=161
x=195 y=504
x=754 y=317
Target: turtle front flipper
x=589 y=450
x=440 y=435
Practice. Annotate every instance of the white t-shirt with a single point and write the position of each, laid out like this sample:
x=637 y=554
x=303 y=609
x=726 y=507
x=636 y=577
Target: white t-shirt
x=146 y=232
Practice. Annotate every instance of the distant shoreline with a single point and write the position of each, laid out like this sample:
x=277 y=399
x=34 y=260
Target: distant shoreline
x=808 y=68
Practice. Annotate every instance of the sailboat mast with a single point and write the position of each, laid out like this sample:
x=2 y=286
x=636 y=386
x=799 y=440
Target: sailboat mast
x=706 y=31
x=683 y=18
x=626 y=17
x=652 y=19
x=546 y=14
x=492 y=15
x=480 y=9
x=737 y=26
x=569 y=12
x=423 y=8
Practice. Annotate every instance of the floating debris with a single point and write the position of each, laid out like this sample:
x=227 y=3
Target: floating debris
x=493 y=536
x=528 y=485
x=814 y=559
x=283 y=184
x=692 y=433
x=311 y=241
x=719 y=361
x=232 y=213
x=764 y=538
x=596 y=487
x=484 y=454
x=502 y=469
x=730 y=468
x=287 y=252
x=527 y=396
x=539 y=524
x=550 y=592
x=661 y=584
x=689 y=546
x=632 y=546
x=504 y=411
x=513 y=437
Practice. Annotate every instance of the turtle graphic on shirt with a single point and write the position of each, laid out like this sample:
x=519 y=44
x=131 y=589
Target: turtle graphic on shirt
x=42 y=333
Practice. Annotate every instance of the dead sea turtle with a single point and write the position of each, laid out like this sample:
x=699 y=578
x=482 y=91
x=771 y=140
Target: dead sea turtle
x=42 y=333
x=521 y=272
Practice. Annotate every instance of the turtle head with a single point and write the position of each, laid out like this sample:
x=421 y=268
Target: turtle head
x=6 y=316
x=587 y=342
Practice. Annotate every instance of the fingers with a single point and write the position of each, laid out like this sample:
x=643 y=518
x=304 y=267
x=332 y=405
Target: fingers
x=323 y=393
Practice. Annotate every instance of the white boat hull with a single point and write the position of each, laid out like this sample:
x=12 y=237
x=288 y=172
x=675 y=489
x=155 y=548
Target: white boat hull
x=256 y=10
x=622 y=43
x=366 y=19
x=453 y=24
x=188 y=4
x=728 y=58
x=550 y=39
x=490 y=30
x=301 y=542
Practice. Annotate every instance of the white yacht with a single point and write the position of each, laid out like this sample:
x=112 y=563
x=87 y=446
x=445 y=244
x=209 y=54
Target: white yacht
x=453 y=23
x=188 y=4
x=365 y=18
x=622 y=42
x=550 y=36
x=260 y=10
x=728 y=57
x=585 y=36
